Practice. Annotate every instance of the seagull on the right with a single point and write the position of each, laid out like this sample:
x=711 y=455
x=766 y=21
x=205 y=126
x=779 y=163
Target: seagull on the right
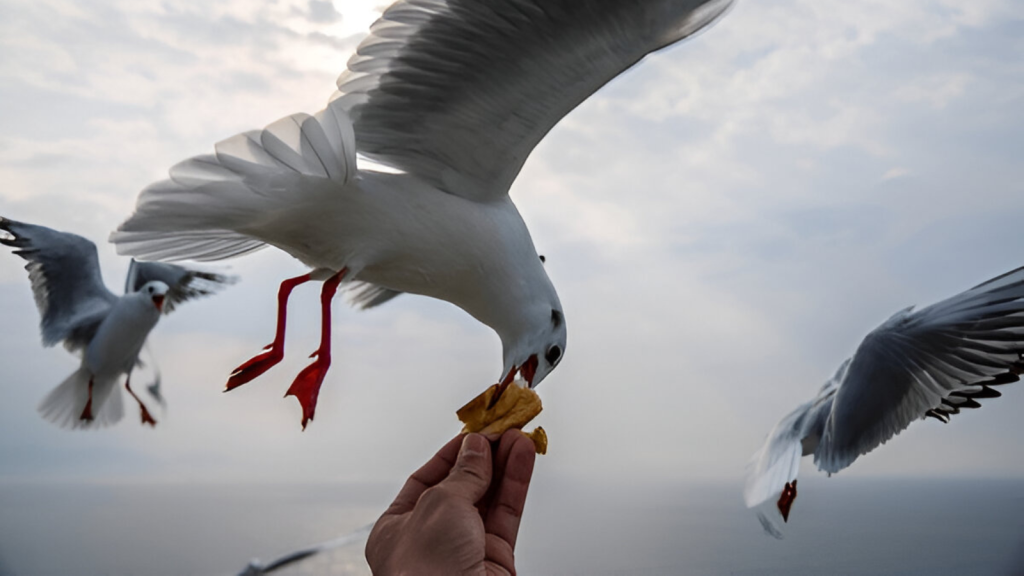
x=931 y=363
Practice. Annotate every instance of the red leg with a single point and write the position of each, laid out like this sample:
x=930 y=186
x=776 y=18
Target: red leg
x=146 y=417
x=306 y=387
x=87 y=412
x=274 y=352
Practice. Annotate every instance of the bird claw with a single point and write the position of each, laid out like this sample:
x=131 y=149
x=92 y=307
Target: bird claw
x=254 y=367
x=306 y=387
x=147 y=418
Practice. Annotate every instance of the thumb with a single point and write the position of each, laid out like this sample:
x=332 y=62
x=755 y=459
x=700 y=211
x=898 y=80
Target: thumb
x=471 y=475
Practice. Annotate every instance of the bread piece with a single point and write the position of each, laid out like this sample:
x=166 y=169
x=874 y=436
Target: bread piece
x=516 y=407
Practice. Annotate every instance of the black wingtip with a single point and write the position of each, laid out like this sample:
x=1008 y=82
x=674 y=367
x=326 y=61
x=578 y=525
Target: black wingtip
x=1004 y=378
x=225 y=279
x=986 y=392
x=967 y=402
x=12 y=239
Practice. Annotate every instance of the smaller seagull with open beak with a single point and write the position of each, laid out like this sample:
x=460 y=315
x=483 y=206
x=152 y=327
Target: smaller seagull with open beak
x=107 y=330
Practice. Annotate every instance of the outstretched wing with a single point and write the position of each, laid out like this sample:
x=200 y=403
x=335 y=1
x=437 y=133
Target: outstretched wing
x=932 y=362
x=185 y=284
x=458 y=92
x=66 y=281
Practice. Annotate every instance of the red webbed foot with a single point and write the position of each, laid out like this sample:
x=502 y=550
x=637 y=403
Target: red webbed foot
x=147 y=418
x=273 y=352
x=306 y=387
x=255 y=366
x=786 y=500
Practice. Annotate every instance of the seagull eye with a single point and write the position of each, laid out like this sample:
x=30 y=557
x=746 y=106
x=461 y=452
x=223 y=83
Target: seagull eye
x=543 y=259
x=553 y=354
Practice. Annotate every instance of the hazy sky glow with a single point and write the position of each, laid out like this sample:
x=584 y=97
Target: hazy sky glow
x=724 y=223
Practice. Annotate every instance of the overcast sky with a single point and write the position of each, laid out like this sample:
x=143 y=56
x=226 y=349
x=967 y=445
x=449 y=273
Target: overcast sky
x=723 y=223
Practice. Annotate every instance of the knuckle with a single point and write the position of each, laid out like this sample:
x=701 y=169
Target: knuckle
x=473 y=471
x=432 y=497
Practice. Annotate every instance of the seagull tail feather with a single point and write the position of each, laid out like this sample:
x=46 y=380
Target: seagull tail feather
x=66 y=404
x=213 y=206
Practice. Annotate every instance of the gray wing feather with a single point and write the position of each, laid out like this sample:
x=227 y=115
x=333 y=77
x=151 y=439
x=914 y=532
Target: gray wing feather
x=932 y=362
x=458 y=92
x=185 y=284
x=66 y=281
x=365 y=295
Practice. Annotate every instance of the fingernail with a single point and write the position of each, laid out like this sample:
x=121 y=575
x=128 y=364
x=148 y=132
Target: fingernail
x=473 y=445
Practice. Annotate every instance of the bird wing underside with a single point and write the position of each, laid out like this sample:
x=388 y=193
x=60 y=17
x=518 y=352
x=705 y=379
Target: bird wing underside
x=184 y=283
x=954 y=402
x=364 y=295
x=930 y=363
x=65 y=274
x=458 y=92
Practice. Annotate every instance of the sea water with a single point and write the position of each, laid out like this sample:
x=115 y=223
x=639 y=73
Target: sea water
x=858 y=526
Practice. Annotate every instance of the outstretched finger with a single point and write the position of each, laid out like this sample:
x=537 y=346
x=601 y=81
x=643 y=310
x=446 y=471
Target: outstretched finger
x=430 y=474
x=516 y=455
x=472 y=473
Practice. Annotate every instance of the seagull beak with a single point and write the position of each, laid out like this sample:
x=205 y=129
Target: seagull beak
x=158 y=301
x=528 y=371
x=502 y=385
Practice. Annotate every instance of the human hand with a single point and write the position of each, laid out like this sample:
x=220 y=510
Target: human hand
x=459 y=514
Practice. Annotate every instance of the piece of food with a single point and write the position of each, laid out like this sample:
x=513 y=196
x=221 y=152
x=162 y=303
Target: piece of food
x=514 y=409
x=540 y=440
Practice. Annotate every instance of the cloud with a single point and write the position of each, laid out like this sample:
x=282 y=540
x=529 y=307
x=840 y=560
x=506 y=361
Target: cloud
x=723 y=223
x=323 y=12
x=896 y=172
x=934 y=91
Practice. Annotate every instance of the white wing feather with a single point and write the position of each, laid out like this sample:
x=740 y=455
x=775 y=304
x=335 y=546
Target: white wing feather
x=201 y=212
x=459 y=92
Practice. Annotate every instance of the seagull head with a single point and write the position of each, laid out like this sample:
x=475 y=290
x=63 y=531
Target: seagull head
x=156 y=291
x=535 y=353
